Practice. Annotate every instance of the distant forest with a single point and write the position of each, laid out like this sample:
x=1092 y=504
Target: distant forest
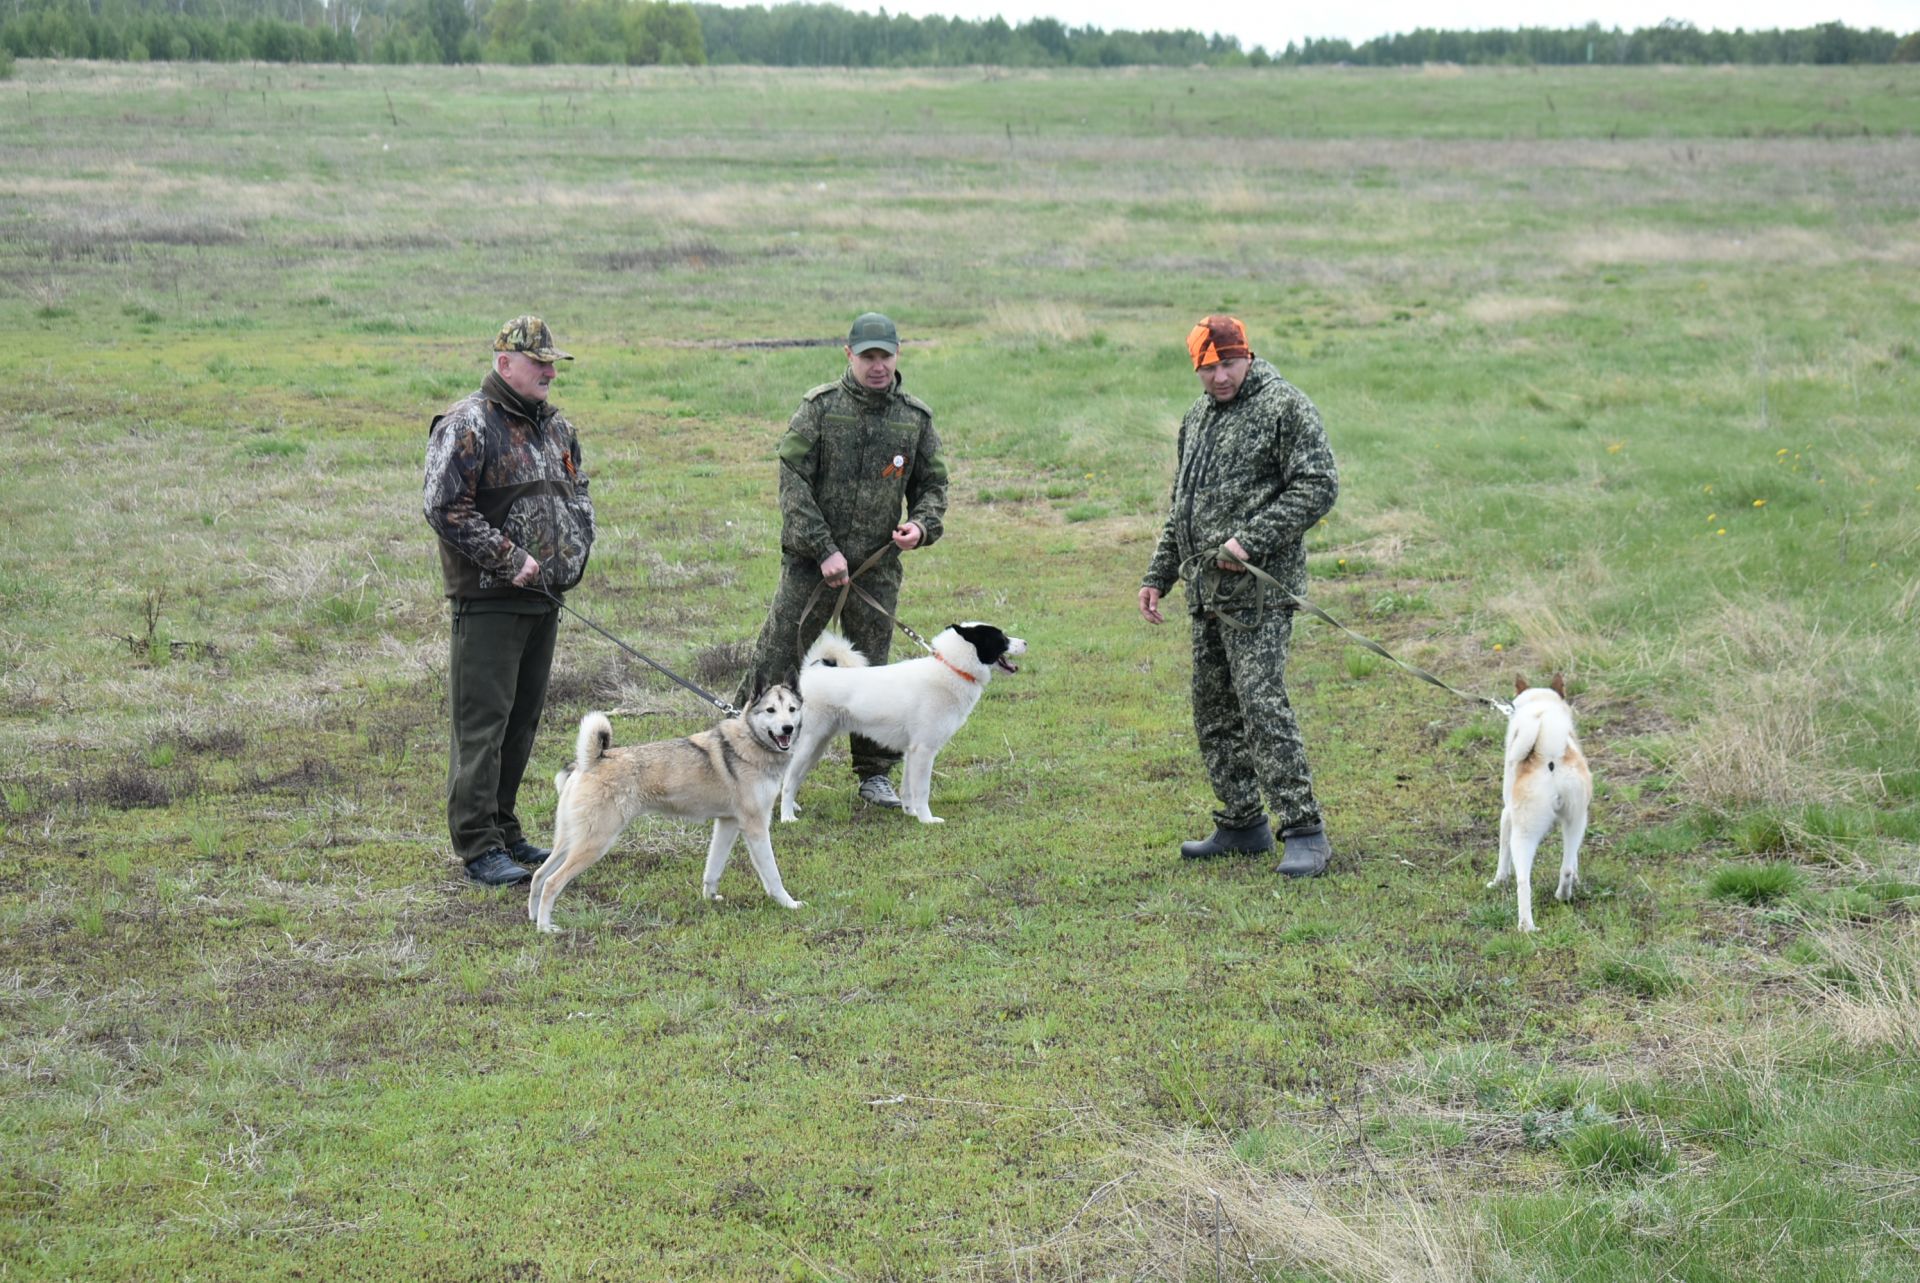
x=648 y=32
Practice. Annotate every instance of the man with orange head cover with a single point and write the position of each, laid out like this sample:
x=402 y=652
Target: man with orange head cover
x=1253 y=474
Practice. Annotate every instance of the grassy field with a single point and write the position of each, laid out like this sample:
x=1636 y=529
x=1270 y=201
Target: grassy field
x=1619 y=366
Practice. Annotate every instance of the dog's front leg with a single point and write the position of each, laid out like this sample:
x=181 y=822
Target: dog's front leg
x=806 y=754
x=916 y=779
x=760 y=850
x=718 y=850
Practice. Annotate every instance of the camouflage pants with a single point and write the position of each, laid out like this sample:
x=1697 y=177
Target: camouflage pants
x=782 y=642
x=1245 y=724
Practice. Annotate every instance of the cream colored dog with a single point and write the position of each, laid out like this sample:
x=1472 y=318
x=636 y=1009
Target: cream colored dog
x=1547 y=783
x=730 y=775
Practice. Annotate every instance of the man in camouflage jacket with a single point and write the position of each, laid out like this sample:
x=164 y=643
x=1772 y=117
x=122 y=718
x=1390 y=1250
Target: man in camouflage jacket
x=507 y=497
x=1254 y=474
x=855 y=455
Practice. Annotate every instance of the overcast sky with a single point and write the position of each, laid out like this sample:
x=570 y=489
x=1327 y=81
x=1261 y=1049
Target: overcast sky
x=1273 y=23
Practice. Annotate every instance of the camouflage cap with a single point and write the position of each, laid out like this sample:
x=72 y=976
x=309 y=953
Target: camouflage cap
x=528 y=334
x=872 y=330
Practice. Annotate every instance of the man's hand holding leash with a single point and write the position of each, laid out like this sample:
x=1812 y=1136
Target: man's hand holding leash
x=834 y=570
x=907 y=535
x=528 y=573
x=1150 y=596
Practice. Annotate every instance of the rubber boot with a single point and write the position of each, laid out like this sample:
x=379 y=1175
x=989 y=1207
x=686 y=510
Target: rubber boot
x=1305 y=852
x=1255 y=839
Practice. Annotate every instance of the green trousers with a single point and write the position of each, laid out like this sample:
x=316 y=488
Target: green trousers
x=496 y=687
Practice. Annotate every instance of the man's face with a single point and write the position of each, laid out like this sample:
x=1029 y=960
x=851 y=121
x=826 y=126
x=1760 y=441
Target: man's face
x=1222 y=379
x=873 y=368
x=528 y=377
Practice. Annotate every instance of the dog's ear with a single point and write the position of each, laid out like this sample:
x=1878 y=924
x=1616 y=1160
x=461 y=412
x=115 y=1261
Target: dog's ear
x=1559 y=685
x=759 y=689
x=1519 y=684
x=791 y=680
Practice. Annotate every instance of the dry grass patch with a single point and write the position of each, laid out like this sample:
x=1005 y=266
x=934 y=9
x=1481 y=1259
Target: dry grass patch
x=1648 y=247
x=1498 y=309
x=1874 y=1000
x=1183 y=1205
x=1049 y=319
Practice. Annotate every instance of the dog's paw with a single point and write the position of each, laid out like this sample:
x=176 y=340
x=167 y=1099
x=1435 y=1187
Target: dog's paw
x=1526 y=925
x=931 y=819
x=788 y=819
x=711 y=893
x=546 y=928
x=1566 y=890
x=1497 y=882
x=791 y=903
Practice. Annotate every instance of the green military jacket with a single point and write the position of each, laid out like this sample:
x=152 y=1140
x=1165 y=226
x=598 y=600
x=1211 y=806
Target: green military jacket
x=851 y=461
x=1257 y=469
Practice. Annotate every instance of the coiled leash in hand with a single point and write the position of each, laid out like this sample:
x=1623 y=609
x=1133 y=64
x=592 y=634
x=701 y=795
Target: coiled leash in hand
x=833 y=620
x=1501 y=706
x=712 y=699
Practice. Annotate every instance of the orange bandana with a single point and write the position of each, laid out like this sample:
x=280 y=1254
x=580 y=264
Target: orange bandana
x=1216 y=339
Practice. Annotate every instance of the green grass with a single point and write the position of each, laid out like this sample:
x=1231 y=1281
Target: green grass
x=253 y=1023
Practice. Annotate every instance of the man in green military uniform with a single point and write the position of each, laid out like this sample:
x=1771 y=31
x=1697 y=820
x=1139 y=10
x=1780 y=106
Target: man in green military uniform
x=857 y=455
x=506 y=495
x=1254 y=474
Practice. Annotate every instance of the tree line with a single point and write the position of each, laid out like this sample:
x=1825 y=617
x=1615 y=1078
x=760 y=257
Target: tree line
x=640 y=32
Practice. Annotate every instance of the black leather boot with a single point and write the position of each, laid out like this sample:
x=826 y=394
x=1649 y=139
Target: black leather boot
x=1306 y=852
x=1255 y=839
x=496 y=868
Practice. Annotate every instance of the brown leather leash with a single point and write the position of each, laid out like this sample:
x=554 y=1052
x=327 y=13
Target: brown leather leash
x=833 y=620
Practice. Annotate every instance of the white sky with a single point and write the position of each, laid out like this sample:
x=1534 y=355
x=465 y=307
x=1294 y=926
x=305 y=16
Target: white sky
x=1273 y=23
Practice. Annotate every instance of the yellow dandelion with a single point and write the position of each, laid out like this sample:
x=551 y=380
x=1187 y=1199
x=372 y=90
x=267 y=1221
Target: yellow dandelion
x=1708 y=488
x=1777 y=453
x=1721 y=531
x=1498 y=646
x=1759 y=503
x=1615 y=447
x=1712 y=515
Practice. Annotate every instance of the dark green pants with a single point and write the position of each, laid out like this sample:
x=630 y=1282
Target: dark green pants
x=777 y=654
x=496 y=688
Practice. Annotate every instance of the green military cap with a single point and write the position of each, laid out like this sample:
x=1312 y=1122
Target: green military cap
x=528 y=334
x=872 y=330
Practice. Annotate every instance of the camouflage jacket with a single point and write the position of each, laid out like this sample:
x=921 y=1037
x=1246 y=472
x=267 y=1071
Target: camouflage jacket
x=1257 y=469
x=850 y=460
x=501 y=486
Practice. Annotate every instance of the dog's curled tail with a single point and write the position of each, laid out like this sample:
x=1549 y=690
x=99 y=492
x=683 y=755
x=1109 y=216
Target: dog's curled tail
x=833 y=651
x=596 y=737
x=1539 y=731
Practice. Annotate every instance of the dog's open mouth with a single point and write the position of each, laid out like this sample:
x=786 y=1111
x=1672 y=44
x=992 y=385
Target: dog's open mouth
x=1002 y=663
x=783 y=740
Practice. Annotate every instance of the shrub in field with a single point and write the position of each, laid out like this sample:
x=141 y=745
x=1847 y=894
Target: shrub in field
x=1609 y=1151
x=1647 y=974
x=1755 y=883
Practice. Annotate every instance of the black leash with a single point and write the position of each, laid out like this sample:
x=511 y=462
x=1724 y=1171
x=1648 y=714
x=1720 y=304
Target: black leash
x=718 y=703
